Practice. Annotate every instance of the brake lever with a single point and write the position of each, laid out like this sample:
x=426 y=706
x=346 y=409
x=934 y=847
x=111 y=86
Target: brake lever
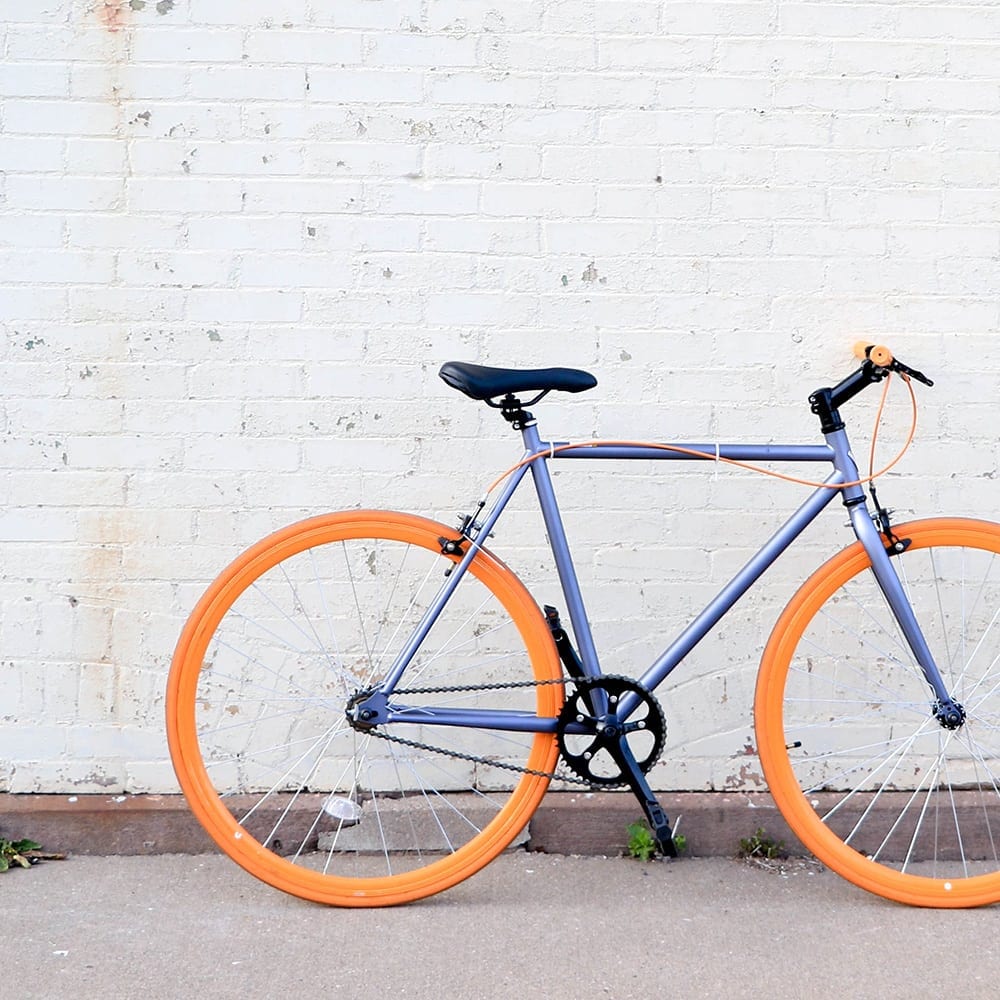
x=898 y=366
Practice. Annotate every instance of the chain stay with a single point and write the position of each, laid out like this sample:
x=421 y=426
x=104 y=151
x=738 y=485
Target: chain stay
x=472 y=758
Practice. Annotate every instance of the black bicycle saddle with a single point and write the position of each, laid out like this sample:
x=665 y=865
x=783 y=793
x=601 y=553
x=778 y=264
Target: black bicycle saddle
x=480 y=382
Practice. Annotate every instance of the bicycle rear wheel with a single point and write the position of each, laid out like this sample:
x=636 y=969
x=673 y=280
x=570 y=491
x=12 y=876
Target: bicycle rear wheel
x=864 y=774
x=261 y=679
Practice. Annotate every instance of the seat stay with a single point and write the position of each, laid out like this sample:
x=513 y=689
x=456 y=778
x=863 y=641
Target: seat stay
x=447 y=588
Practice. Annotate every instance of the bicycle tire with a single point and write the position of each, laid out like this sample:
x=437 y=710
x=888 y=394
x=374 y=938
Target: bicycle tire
x=256 y=703
x=857 y=764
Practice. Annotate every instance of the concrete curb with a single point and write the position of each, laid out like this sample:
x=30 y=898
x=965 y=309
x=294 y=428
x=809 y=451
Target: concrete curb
x=565 y=823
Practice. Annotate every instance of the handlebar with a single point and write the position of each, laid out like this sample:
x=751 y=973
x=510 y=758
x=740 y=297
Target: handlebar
x=875 y=353
x=882 y=357
x=878 y=364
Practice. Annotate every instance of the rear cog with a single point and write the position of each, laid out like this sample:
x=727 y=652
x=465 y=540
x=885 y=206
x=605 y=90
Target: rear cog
x=589 y=724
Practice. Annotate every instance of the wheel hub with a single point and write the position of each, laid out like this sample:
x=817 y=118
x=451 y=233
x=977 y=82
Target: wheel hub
x=950 y=714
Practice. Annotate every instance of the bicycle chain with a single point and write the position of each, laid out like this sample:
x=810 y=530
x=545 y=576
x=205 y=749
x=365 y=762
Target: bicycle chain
x=472 y=758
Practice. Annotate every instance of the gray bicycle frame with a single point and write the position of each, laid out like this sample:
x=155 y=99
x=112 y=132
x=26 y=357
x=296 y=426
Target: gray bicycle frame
x=843 y=482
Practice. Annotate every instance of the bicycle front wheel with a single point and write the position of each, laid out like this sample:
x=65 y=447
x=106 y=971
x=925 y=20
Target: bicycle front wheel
x=260 y=685
x=859 y=766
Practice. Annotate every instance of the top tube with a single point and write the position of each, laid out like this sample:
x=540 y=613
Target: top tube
x=709 y=452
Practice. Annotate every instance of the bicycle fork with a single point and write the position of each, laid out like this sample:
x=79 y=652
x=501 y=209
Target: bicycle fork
x=949 y=713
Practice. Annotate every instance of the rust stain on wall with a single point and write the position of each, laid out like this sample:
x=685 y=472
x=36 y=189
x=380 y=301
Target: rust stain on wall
x=113 y=15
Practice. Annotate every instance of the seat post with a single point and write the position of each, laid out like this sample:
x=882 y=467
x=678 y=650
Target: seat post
x=513 y=411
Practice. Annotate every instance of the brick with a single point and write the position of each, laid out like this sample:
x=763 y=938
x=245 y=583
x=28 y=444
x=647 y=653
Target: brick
x=174 y=270
x=183 y=194
x=239 y=232
x=313 y=47
x=271 y=196
x=212 y=380
x=244 y=83
x=294 y=270
x=47 y=117
x=74 y=194
x=34 y=79
x=214 y=305
x=36 y=526
x=257 y=13
x=43 y=266
x=422 y=198
x=108 y=304
x=485 y=89
x=182 y=119
x=355 y=84
x=360 y=159
x=485 y=162
x=388 y=50
x=187 y=45
x=545 y=53
x=657 y=53
x=29 y=229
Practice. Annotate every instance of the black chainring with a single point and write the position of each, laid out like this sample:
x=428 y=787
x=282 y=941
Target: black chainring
x=585 y=748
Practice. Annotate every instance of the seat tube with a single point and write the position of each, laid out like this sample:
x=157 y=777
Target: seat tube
x=560 y=551
x=885 y=573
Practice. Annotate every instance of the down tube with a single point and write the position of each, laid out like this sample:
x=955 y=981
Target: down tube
x=741 y=583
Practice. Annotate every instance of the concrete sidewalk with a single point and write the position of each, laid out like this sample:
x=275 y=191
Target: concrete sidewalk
x=528 y=926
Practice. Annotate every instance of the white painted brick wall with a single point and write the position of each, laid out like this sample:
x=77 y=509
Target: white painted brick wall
x=238 y=239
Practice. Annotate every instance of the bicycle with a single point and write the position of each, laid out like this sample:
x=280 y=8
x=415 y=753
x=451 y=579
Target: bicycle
x=366 y=707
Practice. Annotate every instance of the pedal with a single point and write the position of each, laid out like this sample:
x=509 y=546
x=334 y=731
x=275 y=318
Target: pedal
x=661 y=828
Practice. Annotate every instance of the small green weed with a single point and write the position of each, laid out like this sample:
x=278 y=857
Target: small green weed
x=17 y=852
x=761 y=846
x=23 y=853
x=642 y=843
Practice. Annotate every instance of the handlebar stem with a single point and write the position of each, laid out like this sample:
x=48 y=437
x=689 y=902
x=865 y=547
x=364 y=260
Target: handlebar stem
x=826 y=403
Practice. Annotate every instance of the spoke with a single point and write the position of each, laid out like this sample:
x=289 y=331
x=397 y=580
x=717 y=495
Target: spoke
x=404 y=618
x=357 y=602
x=979 y=759
x=886 y=749
x=973 y=707
x=841 y=662
x=895 y=754
x=327 y=736
x=298 y=791
x=446 y=650
x=954 y=816
x=305 y=698
x=264 y=596
x=989 y=671
x=327 y=616
x=932 y=775
x=259 y=755
x=865 y=609
x=943 y=617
